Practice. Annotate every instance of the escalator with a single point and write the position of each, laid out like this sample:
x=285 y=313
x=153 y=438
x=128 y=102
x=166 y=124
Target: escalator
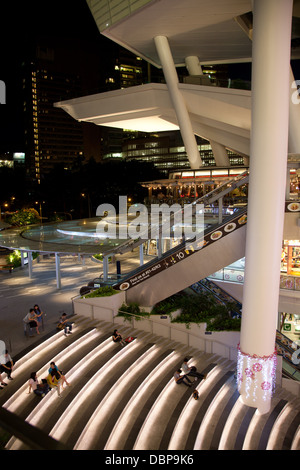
x=285 y=347
x=290 y=353
x=220 y=245
x=221 y=296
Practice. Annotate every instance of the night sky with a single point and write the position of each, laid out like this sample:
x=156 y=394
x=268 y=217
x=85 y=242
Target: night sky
x=23 y=22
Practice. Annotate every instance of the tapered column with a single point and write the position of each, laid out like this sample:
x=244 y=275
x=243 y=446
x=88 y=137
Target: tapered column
x=29 y=254
x=105 y=268
x=22 y=259
x=183 y=118
x=294 y=134
x=268 y=164
x=141 y=254
x=57 y=269
x=193 y=65
x=220 y=154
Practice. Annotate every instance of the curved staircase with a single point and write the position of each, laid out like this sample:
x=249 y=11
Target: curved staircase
x=126 y=398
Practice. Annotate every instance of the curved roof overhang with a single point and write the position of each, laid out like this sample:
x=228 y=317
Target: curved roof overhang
x=215 y=31
x=220 y=114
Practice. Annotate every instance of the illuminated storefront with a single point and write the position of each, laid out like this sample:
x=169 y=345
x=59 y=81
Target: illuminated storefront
x=290 y=325
x=290 y=257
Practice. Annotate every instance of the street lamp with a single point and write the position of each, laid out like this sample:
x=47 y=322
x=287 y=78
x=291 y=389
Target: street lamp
x=5 y=204
x=88 y=201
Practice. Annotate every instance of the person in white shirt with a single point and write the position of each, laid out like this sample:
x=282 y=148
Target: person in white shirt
x=191 y=371
x=39 y=388
x=182 y=378
x=6 y=364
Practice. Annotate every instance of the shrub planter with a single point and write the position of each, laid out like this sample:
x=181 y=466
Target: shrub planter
x=99 y=308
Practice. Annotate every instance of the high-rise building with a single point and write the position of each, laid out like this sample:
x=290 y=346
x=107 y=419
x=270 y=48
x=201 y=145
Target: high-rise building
x=51 y=137
x=49 y=74
x=167 y=152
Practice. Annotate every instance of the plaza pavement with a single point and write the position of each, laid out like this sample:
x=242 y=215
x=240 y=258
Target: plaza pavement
x=19 y=293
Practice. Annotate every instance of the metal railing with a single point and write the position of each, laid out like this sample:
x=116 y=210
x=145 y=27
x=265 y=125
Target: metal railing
x=231 y=274
x=208 y=198
x=32 y=437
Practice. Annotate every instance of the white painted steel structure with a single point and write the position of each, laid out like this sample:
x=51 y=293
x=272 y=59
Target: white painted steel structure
x=168 y=33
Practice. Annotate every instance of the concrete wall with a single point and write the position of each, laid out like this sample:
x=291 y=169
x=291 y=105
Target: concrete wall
x=106 y=308
x=99 y=308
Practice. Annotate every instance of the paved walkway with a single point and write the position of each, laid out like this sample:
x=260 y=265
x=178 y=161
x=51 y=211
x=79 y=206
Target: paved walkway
x=19 y=293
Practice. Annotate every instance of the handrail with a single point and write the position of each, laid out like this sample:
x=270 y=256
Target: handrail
x=172 y=327
x=207 y=232
x=208 y=285
x=284 y=345
x=286 y=349
x=33 y=437
x=287 y=281
x=208 y=198
x=287 y=357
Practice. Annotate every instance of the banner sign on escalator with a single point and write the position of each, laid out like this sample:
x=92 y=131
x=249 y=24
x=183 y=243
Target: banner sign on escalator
x=182 y=253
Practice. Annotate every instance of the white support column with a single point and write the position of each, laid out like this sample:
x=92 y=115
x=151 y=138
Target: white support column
x=159 y=246
x=193 y=65
x=220 y=207
x=105 y=268
x=183 y=118
x=22 y=259
x=288 y=183
x=220 y=154
x=29 y=254
x=57 y=269
x=268 y=164
x=294 y=134
x=141 y=254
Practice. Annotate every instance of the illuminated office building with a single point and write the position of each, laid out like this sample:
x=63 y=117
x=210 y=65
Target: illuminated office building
x=52 y=138
x=167 y=151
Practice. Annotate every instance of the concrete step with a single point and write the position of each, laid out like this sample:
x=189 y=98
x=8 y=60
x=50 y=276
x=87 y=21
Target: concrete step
x=126 y=398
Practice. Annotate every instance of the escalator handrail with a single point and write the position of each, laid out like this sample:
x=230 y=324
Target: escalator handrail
x=206 y=199
x=286 y=343
x=207 y=232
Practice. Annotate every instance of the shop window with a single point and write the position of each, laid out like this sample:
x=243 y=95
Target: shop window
x=290 y=257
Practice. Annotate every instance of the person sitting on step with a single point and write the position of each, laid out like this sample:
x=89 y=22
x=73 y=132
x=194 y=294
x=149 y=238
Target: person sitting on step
x=117 y=338
x=66 y=325
x=182 y=378
x=191 y=371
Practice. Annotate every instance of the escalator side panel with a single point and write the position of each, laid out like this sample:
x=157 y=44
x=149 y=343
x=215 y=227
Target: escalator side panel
x=201 y=264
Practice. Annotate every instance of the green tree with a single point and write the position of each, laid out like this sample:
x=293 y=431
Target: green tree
x=25 y=217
